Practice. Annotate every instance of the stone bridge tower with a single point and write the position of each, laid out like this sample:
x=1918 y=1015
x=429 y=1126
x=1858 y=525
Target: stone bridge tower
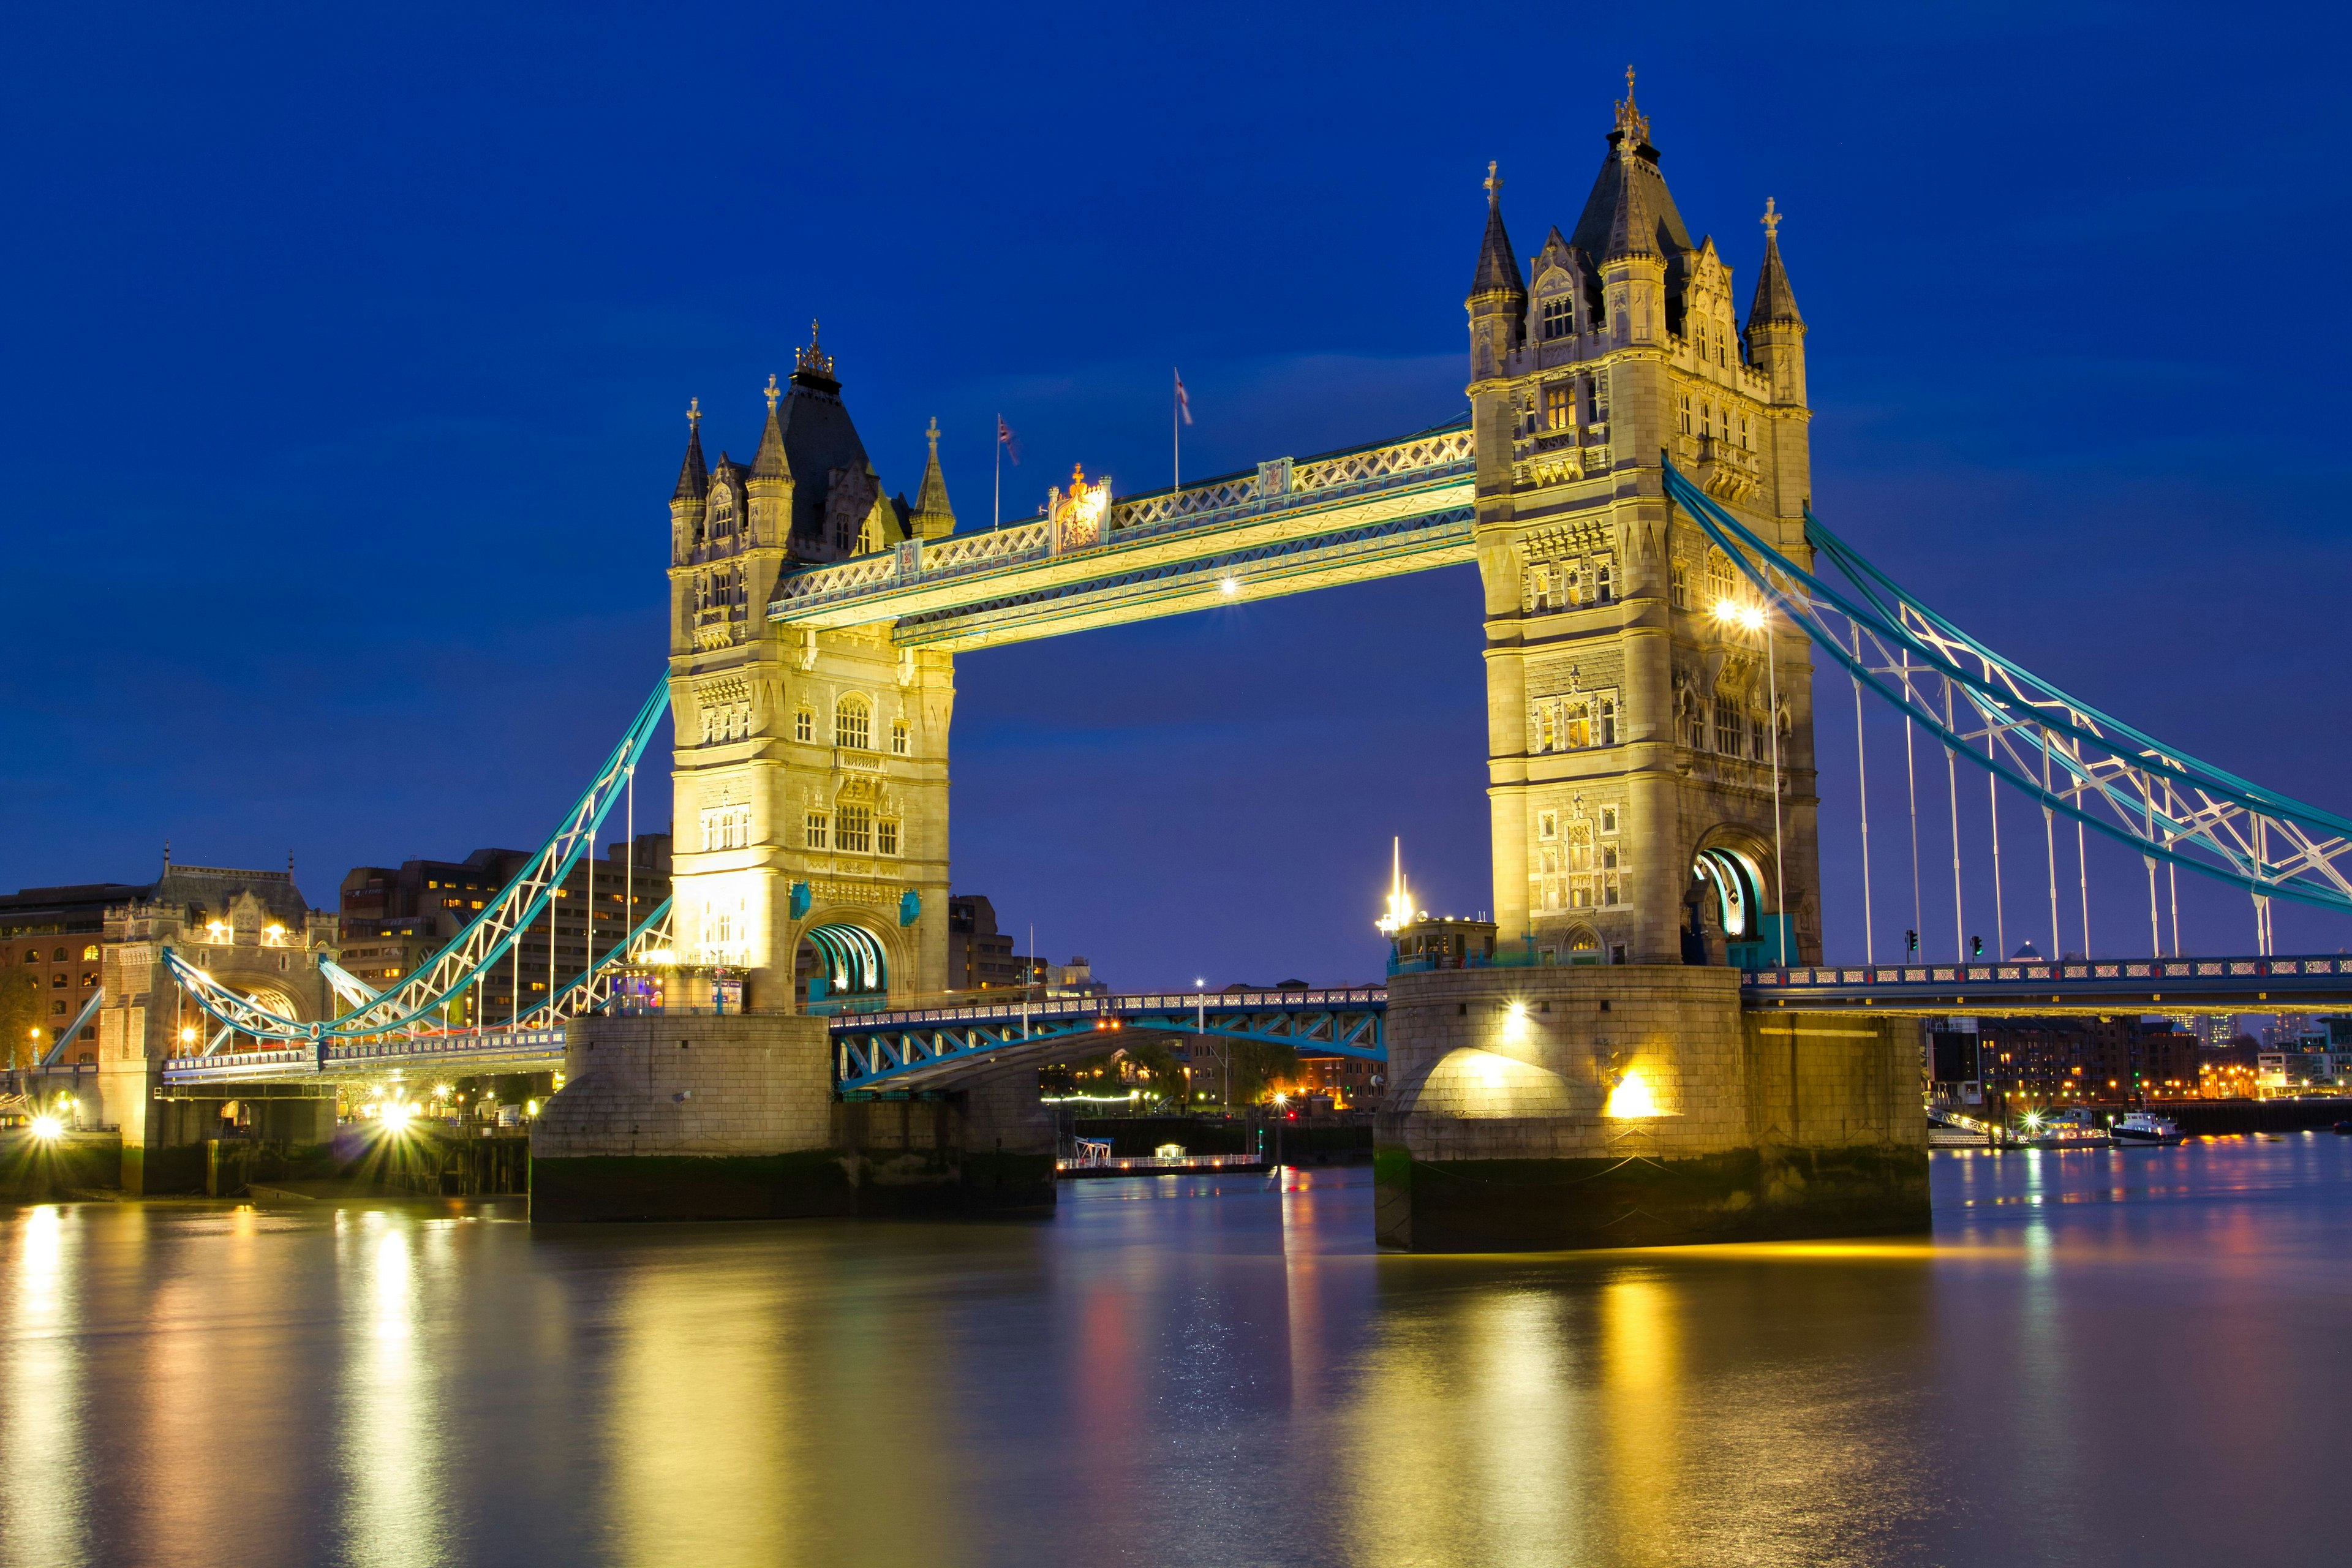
x=810 y=770
x=1629 y=727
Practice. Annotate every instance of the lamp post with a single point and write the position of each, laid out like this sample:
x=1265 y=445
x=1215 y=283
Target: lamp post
x=1750 y=615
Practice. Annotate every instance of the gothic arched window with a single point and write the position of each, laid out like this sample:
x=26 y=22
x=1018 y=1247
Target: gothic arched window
x=853 y=724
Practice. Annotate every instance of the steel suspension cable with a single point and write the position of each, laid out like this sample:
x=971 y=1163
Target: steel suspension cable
x=1862 y=786
x=1911 y=785
x=1992 y=804
x=2082 y=877
x=1952 y=780
x=2049 y=853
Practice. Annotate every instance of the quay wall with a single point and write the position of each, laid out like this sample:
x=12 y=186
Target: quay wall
x=668 y=1117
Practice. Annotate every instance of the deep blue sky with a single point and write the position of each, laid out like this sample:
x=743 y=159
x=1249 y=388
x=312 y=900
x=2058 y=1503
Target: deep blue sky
x=346 y=349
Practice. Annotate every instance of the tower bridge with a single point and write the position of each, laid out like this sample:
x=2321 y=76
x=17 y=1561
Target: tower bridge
x=1633 y=481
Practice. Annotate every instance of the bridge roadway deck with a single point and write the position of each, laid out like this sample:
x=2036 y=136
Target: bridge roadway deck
x=2038 y=989
x=916 y=1047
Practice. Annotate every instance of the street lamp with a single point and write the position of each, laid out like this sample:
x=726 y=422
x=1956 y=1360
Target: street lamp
x=1751 y=617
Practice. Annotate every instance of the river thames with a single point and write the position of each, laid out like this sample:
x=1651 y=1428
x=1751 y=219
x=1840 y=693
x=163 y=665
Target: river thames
x=2114 y=1356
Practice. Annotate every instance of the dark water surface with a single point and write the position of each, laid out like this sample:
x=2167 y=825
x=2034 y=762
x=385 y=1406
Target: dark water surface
x=2134 y=1356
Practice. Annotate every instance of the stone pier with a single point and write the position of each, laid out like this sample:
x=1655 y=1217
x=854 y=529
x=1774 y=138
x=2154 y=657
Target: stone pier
x=684 y=1117
x=1636 y=1105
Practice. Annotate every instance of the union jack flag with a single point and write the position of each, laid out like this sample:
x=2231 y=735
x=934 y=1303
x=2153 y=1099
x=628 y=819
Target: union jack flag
x=1183 y=400
x=1008 y=440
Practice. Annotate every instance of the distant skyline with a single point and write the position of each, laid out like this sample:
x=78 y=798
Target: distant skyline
x=350 y=357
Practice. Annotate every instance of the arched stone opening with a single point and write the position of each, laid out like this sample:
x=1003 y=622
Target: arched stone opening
x=841 y=962
x=1728 y=905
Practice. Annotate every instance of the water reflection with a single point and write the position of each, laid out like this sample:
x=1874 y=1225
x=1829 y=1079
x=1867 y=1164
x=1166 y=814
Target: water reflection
x=395 y=1509
x=43 y=1497
x=1187 y=1372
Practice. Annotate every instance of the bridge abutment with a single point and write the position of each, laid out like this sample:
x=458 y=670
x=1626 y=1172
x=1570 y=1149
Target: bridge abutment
x=1636 y=1105
x=665 y=1116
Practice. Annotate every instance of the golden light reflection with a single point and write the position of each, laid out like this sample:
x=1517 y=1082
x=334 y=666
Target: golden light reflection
x=392 y=1486
x=700 y=1427
x=1641 y=1375
x=41 y=1503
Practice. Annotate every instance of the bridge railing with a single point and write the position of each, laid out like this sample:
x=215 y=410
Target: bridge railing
x=1445 y=452
x=2091 y=972
x=1112 y=1006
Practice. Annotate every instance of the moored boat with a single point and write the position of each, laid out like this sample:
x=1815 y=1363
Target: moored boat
x=2144 y=1127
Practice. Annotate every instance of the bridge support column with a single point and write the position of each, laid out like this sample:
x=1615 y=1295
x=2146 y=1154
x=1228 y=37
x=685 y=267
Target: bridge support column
x=691 y=1117
x=1635 y=1105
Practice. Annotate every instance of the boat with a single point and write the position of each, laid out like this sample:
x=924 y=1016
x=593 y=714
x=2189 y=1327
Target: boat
x=2073 y=1128
x=2144 y=1127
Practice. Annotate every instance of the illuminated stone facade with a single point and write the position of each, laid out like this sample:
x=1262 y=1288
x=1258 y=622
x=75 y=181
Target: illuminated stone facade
x=1630 y=764
x=809 y=760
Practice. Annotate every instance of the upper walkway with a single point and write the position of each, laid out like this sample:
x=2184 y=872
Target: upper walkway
x=1286 y=526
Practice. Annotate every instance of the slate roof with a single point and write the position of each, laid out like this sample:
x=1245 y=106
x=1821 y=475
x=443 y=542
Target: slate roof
x=1630 y=211
x=693 y=474
x=1499 y=265
x=1775 y=302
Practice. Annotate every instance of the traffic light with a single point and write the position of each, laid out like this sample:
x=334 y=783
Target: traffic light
x=1910 y=943
x=1976 y=947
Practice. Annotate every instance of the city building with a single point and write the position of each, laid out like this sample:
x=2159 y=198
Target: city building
x=253 y=929
x=2031 y=1064
x=394 y=919
x=2316 y=1060
x=980 y=957
x=53 y=934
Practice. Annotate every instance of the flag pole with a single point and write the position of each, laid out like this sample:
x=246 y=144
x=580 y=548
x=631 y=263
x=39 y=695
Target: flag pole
x=1176 y=441
x=997 y=508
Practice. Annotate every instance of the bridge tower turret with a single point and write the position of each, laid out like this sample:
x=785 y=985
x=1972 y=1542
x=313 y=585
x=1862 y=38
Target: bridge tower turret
x=810 y=777
x=1630 y=775
x=1776 y=346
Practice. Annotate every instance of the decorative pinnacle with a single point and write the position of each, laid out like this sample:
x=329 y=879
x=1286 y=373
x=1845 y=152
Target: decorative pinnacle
x=1632 y=125
x=694 y=411
x=934 y=433
x=1772 y=221
x=1494 y=185
x=813 y=360
x=774 y=392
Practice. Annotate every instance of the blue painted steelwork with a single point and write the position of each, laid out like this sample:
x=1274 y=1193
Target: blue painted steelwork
x=921 y=1045
x=482 y=943
x=2069 y=756
x=2185 y=984
x=541 y=1043
x=89 y=1011
x=852 y=957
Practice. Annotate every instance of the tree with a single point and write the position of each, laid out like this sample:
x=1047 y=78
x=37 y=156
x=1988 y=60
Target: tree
x=1258 y=1066
x=20 y=1015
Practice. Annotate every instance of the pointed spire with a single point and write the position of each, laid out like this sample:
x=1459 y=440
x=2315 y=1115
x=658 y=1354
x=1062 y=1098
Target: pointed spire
x=767 y=462
x=1632 y=125
x=1775 y=303
x=1499 y=265
x=694 y=474
x=933 y=514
